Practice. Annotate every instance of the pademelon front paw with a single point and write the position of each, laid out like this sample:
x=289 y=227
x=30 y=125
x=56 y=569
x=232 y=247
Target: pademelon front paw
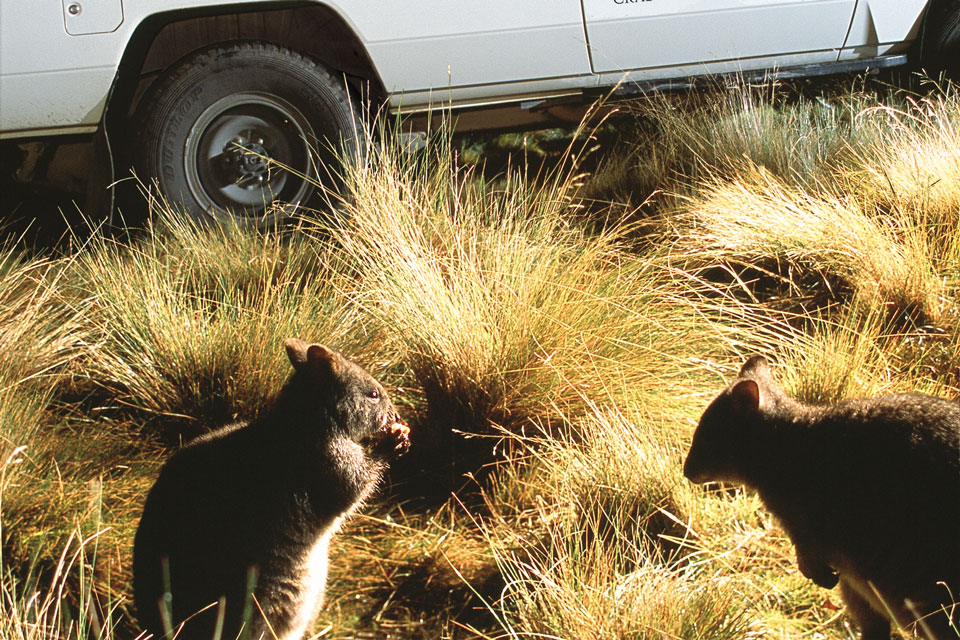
x=391 y=440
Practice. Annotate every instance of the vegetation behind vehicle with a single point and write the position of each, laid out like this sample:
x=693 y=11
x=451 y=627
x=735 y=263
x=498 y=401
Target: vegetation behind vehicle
x=575 y=341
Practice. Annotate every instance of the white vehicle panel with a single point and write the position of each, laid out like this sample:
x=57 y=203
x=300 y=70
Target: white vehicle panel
x=434 y=45
x=637 y=34
x=70 y=75
x=725 y=67
x=883 y=26
x=61 y=84
x=83 y=17
x=485 y=95
x=26 y=103
x=459 y=53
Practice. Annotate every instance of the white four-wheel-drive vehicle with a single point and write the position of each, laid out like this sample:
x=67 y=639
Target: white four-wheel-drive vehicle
x=207 y=97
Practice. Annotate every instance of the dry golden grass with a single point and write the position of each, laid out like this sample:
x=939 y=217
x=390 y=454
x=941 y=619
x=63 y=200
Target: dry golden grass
x=192 y=320
x=505 y=308
x=578 y=360
x=914 y=161
x=757 y=221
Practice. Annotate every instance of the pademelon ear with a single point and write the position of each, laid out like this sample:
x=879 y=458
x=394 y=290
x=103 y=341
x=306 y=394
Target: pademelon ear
x=311 y=356
x=296 y=351
x=746 y=396
x=756 y=366
x=323 y=358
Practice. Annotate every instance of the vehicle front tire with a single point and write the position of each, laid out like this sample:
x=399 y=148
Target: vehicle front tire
x=941 y=48
x=247 y=131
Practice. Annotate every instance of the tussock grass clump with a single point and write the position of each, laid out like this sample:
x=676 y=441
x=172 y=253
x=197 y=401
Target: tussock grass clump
x=409 y=574
x=912 y=173
x=677 y=140
x=841 y=357
x=61 y=603
x=39 y=334
x=603 y=556
x=591 y=535
x=40 y=337
x=790 y=136
x=192 y=319
x=23 y=413
x=815 y=232
x=757 y=221
x=505 y=309
x=913 y=160
x=577 y=594
x=643 y=496
x=48 y=493
x=872 y=241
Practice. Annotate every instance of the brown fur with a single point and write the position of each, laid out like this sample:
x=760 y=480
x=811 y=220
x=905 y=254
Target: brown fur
x=256 y=504
x=867 y=489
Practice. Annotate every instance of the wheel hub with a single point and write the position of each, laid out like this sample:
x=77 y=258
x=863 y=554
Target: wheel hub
x=248 y=160
x=247 y=151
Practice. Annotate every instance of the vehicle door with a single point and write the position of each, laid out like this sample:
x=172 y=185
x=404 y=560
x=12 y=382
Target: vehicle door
x=422 y=46
x=625 y=35
x=57 y=61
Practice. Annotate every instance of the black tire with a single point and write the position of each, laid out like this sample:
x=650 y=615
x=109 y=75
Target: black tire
x=941 y=47
x=214 y=131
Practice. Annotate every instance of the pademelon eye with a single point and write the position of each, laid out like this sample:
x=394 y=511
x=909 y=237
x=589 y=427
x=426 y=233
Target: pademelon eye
x=374 y=394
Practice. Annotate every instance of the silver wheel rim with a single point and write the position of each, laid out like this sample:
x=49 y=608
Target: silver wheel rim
x=246 y=152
